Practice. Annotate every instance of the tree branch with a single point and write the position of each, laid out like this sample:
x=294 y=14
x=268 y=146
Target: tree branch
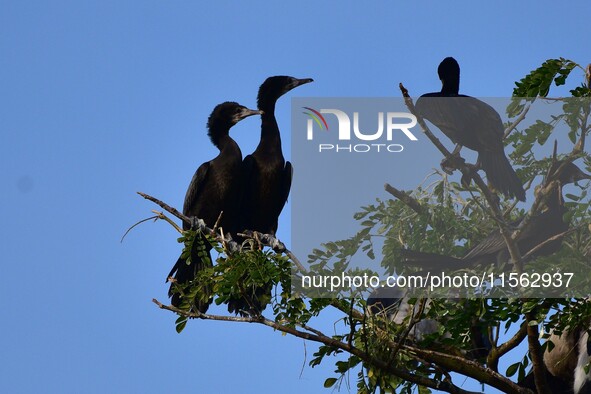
x=537 y=358
x=405 y=198
x=317 y=336
x=515 y=123
x=469 y=368
x=231 y=245
x=496 y=353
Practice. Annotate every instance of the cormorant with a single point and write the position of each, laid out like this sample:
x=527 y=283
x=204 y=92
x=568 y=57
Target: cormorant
x=215 y=187
x=266 y=177
x=472 y=123
x=494 y=249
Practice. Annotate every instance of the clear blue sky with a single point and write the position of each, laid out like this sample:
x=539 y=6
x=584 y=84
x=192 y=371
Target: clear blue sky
x=100 y=99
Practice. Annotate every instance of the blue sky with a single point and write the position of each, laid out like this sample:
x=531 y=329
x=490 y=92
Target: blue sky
x=99 y=100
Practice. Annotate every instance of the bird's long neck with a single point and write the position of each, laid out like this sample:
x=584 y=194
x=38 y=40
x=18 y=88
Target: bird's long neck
x=229 y=146
x=270 y=135
x=220 y=137
x=450 y=86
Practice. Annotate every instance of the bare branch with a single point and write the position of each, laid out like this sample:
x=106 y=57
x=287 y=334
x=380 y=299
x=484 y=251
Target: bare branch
x=519 y=119
x=469 y=368
x=217 y=222
x=138 y=223
x=405 y=198
x=166 y=207
x=162 y=216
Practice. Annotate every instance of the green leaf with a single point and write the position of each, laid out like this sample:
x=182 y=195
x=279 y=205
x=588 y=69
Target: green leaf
x=330 y=382
x=181 y=326
x=538 y=82
x=512 y=370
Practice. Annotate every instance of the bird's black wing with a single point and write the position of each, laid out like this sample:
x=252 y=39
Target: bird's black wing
x=182 y=271
x=191 y=198
x=435 y=109
x=194 y=190
x=485 y=122
x=286 y=183
x=493 y=243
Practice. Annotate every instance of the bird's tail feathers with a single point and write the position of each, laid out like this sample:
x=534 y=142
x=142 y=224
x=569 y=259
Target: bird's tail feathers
x=501 y=174
x=184 y=273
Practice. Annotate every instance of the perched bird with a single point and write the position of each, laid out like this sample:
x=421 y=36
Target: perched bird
x=215 y=187
x=267 y=175
x=472 y=123
x=493 y=249
x=266 y=179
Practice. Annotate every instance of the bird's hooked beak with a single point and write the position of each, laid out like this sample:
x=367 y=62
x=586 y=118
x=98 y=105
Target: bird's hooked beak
x=571 y=174
x=246 y=112
x=299 y=82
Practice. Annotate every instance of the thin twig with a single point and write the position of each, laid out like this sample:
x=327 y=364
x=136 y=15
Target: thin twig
x=166 y=207
x=162 y=216
x=515 y=123
x=405 y=198
x=217 y=222
x=140 y=222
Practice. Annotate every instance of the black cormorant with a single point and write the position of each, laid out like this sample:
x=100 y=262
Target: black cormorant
x=472 y=123
x=493 y=249
x=215 y=187
x=266 y=177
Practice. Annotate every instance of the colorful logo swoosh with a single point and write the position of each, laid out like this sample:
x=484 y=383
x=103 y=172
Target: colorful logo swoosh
x=317 y=116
